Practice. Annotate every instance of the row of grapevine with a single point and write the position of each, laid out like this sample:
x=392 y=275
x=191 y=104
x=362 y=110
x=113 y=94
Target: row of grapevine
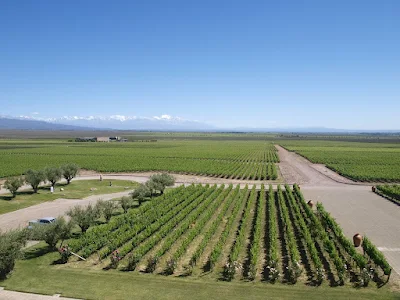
x=272 y=267
x=319 y=232
x=200 y=215
x=305 y=233
x=294 y=267
x=330 y=225
x=233 y=265
x=391 y=191
x=98 y=236
x=242 y=226
x=214 y=226
x=199 y=224
x=255 y=243
x=218 y=248
x=142 y=243
x=147 y=224
x=376 y=256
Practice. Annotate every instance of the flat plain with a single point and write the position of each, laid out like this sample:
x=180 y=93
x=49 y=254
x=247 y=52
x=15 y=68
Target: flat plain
x=204 y=235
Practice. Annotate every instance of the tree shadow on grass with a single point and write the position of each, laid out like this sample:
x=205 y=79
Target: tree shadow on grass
x=36 y=252
x=10 y=197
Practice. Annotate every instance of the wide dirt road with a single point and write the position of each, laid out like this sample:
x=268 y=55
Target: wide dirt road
x=59 y=207
x=296 y=169
x=355 y=206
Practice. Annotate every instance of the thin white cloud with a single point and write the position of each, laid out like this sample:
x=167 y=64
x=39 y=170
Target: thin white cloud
x=121 y=118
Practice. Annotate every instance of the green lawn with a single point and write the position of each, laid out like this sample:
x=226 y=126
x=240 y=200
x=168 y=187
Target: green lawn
x=75 y=190
x=36 y=274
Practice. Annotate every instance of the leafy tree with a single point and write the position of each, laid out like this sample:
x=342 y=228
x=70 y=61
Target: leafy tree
x=53 y=175
x=34 y=178
x=69 y=171
x=13 y=184
x=53 y=232
x=153 y=186
x=106 y=208
x=141 y=193
x=161 y=181
x=125 y=203
x=11 y=244
x=84 y=217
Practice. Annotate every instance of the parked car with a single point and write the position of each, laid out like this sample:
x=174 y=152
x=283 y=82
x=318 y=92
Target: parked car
x=42 y=221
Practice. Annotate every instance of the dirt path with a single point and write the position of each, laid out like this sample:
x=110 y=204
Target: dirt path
x=10 y=295
x=296 y=169
x=143 y=177
x=59 y=207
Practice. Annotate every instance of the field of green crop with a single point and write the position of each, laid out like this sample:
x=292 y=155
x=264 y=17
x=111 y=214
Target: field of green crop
x=234 y=234
x=225 y=159
x=392 y=191
x=358 y=161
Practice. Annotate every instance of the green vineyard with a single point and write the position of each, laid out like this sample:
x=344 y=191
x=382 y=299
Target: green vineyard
x=391 y=191
x=357 y=161
x=252 y=160
x=232 y=234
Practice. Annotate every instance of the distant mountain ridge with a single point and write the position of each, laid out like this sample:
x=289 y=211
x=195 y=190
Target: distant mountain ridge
x=162 y=123
x=21 y=124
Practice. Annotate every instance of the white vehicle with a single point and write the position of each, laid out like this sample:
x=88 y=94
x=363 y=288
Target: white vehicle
x=42 y=221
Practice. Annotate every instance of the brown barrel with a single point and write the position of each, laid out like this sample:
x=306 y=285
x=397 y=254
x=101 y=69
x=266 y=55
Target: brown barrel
x=310 y=204
x=357 y=239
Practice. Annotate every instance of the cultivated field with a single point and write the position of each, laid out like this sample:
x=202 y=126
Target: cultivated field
x=358 y=161
x=252 y=160
x=390 y=191
x=232 y=234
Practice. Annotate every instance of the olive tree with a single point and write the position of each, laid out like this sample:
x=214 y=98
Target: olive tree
x=125 y=203
x=53 y=175
x=52 y=233
x=34 y=178
x=84 y=217
x=11 y=244
x=160 y=181
x=106 y=208
x=69 y=171
x=141 y=193
x=13 y=184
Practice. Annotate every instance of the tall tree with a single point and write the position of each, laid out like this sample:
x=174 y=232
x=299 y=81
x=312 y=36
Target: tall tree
x=52 y=233
x=69 y=171
x=53 y=175
x=126 y=203
x=34 y=178
x=141 y=193
x=84 y=217
x=13 y=184
x=11 y=244
x=161 y=181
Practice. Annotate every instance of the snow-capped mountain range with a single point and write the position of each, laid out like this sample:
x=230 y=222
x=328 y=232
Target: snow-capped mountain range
x=118 y=122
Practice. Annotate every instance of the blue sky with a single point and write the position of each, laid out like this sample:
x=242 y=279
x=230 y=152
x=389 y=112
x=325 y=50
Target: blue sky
x=227 y=63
